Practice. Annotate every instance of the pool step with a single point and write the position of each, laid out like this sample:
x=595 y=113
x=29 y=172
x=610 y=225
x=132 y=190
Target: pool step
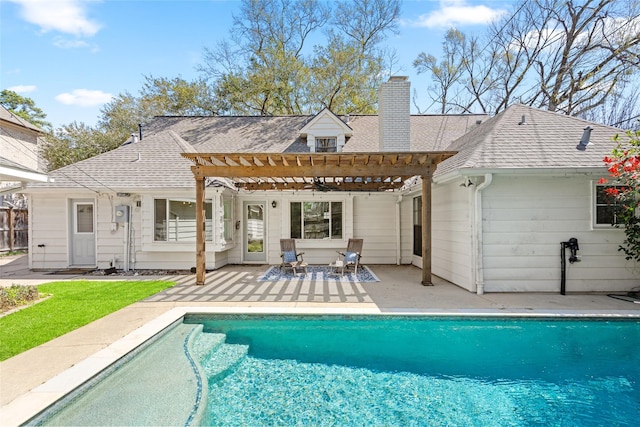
x=221 y=363
x=206 y=343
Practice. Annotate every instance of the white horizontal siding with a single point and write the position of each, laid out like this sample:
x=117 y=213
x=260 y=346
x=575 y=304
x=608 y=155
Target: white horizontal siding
x=326 y=125
x=374 y=220
x=49 y=226
x=524 y=221
x=452 y=234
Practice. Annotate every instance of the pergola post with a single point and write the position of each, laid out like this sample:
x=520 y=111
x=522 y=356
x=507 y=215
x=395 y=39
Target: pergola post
x=377 y=171
x=201 y=260
x=426 y=229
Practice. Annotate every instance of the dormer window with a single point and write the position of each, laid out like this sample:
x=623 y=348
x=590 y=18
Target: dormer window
x=326 y=145
x=326 y=133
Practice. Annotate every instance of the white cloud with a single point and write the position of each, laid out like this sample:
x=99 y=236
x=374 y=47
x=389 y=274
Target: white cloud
x=454 y=13
x=69 y=44
x=66 y=16
x=84 y=97
x=64 y=43
x=22 y=88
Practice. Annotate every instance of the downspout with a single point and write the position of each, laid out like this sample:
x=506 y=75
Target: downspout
x=398 y=230
x=477 y=241
x=125 y=233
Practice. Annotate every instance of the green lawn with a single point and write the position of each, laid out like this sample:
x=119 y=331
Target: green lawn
x=72 y=304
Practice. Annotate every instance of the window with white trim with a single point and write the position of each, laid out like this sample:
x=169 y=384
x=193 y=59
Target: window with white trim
x=175 y=220
x=316 y=220
x=326 y=145
x=227 y=219
x=605 y=206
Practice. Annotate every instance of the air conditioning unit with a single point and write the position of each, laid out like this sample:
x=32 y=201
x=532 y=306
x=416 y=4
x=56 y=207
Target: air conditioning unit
x=122 y=214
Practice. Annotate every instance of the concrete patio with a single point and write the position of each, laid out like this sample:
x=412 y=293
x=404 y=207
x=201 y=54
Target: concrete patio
x=28 y=381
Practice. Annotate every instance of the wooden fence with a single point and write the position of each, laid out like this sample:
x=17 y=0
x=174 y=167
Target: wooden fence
x=14 y=229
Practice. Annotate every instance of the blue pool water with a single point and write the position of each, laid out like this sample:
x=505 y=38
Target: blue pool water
x=406 y=370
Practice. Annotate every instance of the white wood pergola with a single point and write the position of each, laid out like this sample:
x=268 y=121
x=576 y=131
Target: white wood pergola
x=321 y=171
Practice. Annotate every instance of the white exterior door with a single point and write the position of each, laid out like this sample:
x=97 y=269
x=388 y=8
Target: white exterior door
x=254 y=245
x=83 y=240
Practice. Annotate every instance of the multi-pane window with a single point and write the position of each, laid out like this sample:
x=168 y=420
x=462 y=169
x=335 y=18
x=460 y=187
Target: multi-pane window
x=316 y=220
x=175 y=220
x=606 y=207
x=326 y=145
x=227 y=219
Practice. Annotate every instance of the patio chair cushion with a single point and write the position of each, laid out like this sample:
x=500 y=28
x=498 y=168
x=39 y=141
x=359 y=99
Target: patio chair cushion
x=290 y=256
x=351 y=257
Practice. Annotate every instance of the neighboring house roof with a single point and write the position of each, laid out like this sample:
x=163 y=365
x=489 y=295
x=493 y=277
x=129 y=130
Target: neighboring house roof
x=14 y=165
x=11 y=171
x=544 y=140
x=8 y=116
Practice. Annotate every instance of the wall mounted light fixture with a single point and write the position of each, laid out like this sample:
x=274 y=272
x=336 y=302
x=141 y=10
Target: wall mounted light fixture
x=467 y=183
x=274 y=204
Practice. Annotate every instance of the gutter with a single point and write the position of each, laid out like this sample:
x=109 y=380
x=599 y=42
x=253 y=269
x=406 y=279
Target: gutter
x=478 y=235
x=12 y=189
x=560 y=171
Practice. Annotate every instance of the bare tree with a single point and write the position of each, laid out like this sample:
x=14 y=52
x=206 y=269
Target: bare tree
x=566 y=56
x=446 y=73
x=621 y=109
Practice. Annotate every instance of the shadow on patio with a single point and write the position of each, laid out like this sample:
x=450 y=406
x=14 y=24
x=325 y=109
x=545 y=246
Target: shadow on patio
x=399 y=290
x=239 y=284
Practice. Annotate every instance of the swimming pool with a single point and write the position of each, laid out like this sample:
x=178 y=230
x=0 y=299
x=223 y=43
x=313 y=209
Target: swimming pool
x=402 y=370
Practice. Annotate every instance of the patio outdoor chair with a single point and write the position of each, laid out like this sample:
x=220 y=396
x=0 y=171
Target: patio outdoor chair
x=351 y=257
x=291 y=258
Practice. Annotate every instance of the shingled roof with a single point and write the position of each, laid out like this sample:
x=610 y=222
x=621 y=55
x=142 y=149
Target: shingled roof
x=523 y=137
x=8 y=116
x=150 y=164
x=155 y=161
x=547 y=140
x=281 y=134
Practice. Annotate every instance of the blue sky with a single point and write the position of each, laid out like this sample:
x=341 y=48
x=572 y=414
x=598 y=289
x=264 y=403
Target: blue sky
x=72 y=56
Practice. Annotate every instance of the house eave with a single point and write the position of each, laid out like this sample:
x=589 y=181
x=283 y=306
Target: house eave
x=21 y=175
x=470 y=172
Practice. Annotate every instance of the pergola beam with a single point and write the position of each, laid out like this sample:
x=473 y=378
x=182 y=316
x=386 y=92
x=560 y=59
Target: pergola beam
x=316 y=171
x=323 y=170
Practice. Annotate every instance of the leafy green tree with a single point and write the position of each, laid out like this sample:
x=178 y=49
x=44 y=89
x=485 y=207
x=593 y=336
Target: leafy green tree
x=121 y=116
x=76 y=141
x=267 y=67
x=157 y=97
x=25 y=108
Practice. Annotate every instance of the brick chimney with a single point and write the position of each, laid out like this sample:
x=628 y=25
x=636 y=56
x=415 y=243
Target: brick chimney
x=393 y=114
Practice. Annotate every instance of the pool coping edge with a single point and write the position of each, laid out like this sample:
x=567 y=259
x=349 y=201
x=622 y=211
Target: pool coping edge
x=29 y=405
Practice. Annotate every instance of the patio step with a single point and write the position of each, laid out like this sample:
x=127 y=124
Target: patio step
x=222 y=362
